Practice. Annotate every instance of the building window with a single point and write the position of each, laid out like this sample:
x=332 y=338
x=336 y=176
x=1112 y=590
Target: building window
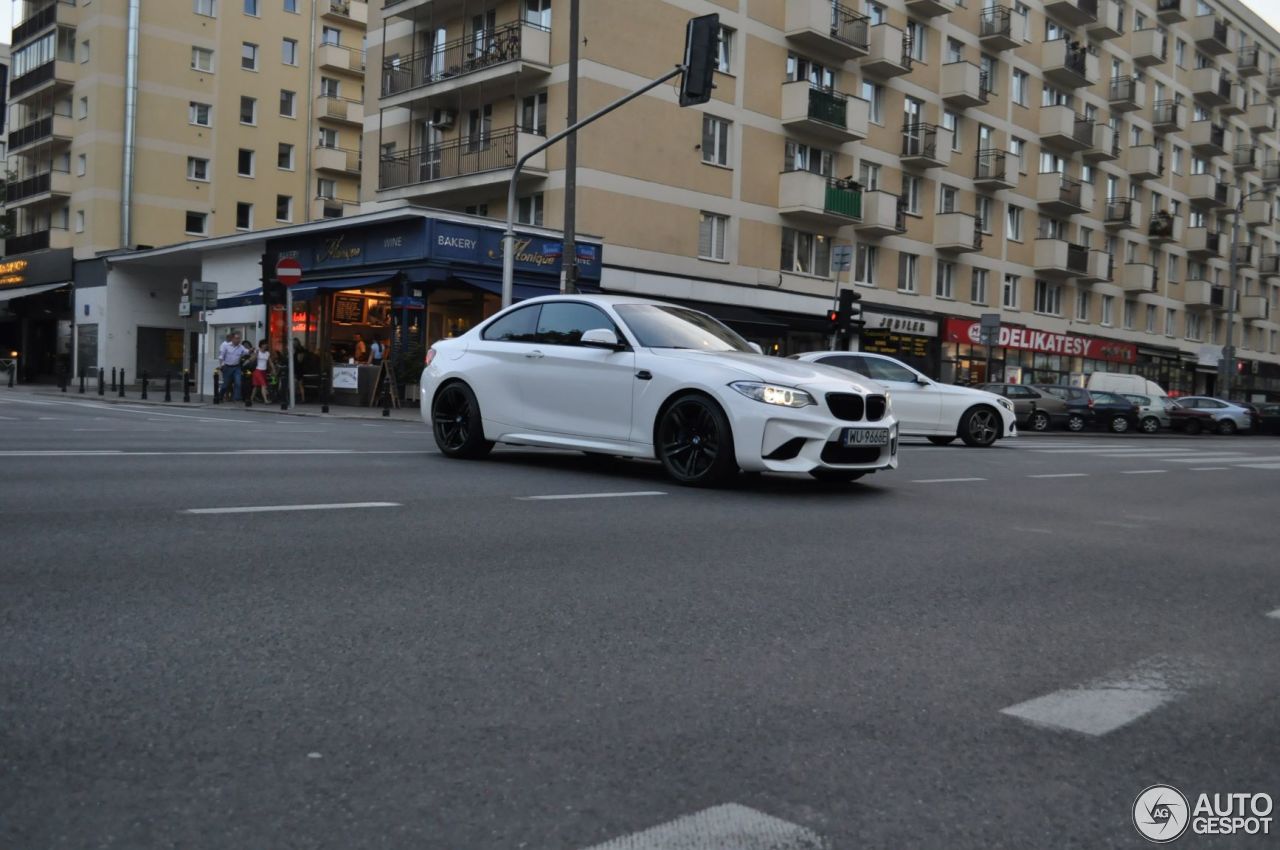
x=244 y=163
x=197 y=223
x=197 y=168
x=1083 y=297
x=198 y=114
x=724 y=51
x=533 y=114
x=1151 y=318
x=328 y=138
x=1180 y=53
x=875 y=12
x=326 y=188
x=248 y=110
x=244 y=216
x=330 y=35
x=982 y=209
x=329 y=87
x=208 y=8
x=477 y=209
x=1108 y=309
x=79 y=221
x=1194 y=329
x=291 y=6
x=1015 y=223
x=538 y=13
x=715 y=140
x=1020 y=80
x=529 y=209
x=978 y=286
x=805 y=253
x=874 y=94
x=911 y=193
x=1048 y=297
x=251 y=7
x=202 y=59
x=947 y=196
x=944 y=283
x=955 y=51
x=1009 y=294
x=711 y=233
x=865 y=260
x=284 y=156
x=1018 y=147
x=908 y=272
x=288 y=103
x=84 y=51
x=802 y=157
x=289 y=51
x=284 y=208
x=1171 y=318
x=869 y=176
x=82 y=164
x=917 y=34
x=1128 y=314
x=951 y=121
x=987 y=67
x=249 y=56
x=82 y=108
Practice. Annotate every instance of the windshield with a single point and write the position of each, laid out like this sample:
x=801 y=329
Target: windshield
x=664 y=326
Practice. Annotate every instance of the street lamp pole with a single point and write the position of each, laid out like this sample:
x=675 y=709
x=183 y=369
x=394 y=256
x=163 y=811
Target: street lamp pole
x=1227 y=365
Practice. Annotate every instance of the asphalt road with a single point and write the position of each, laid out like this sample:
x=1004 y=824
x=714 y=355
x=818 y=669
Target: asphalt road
x=985 y=648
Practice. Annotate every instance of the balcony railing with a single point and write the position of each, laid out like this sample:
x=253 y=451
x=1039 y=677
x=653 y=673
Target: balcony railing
x=1271 y=171
x=36 y=184
x=1119 y=211
x=39 y=129
x=1123 y=88
x=995 y=21
x=920 y=140
x=1245 y=156
x=457 y=158
x=1077 y=258
x=1247 y=62
x=1161 y=225
x=1069 y=190
x=842 y=198
x=828 y=106
x=37 y=76
x=1269 y=265
x=849 y=26
x=36 y=240
x=1166 y=112
x=1075 y=59
x=1273 y=81
x=454 y=58
x=991 y=165
x=45 y=16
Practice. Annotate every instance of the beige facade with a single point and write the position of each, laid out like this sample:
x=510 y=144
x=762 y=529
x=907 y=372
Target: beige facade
x=249 y=115
x=1071 y=164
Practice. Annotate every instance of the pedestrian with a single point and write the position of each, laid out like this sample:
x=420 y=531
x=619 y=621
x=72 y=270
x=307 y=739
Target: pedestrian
x=230 y=353
x=300 y=362
x=376 y=352
x=361 y=351
x=259 y=380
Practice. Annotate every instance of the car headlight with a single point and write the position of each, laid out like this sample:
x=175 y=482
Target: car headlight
x=888 y=402
x=1005 y=403
x=774 y=394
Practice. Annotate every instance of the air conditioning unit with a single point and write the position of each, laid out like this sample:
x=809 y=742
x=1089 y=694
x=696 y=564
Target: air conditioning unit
x=444 y=118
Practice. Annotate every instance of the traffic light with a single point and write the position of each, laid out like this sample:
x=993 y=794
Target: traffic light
x=1240 y=367
x=850 y=312
x=272 y=288
x=833 y=318
x=701 y=48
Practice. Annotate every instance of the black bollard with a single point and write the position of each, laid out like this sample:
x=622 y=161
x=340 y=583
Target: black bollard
x=186 y=387
x=13 y=368
x=62 y=379
x=246 y=391
x=217 y=391
x=168 y=396
x=386 y=397
x=324 y=392
x=121 y=393
x=113 y=378
x=283 y=390
x=81 y=380
x=102 y=380
x=144 y=386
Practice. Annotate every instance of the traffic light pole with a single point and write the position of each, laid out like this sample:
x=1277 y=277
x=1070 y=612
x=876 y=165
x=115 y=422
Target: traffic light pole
x=509 y=235
x=288 y=338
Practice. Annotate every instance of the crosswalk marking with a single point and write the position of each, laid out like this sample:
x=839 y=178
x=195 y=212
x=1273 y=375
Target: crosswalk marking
x=727 y=827
x=1061 y=475
x=1260 y=465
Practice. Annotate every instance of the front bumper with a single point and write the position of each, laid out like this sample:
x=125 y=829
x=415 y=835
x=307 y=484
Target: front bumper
x=801 y=441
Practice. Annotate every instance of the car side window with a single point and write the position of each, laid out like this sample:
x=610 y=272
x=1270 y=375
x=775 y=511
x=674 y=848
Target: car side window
x=517 y=326
x=1018 y=391
x=564 y=323
x=887 y=370
x=845 y=361
x=1213 y=405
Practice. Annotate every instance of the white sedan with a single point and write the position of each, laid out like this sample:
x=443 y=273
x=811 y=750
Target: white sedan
x=926 y=408
x=639 y=378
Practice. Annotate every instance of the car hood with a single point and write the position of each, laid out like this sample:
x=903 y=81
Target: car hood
x=779 y=370
x=968 y=392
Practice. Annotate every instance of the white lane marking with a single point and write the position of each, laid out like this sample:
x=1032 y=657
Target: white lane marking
x=589 y=496
x=1115 y=451
x=231 y=453
x=1208 y=468
x=10 y=418
x=1143 y=471
x=269 y=508
x=1275 y=615
x=943 y=480
x=1102 y=706
x=727 y=827
x=1259 y=465
x=1033 y=530
x=1225 y=457
x=1061 y=475
x=1117 y=524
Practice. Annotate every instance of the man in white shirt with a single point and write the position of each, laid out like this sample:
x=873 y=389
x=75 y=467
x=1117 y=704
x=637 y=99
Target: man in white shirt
x=230 y=353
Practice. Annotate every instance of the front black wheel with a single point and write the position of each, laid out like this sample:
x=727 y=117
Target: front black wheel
x=1119 y=424
x=836 y=476
x=1227 y=427
x=980 y=427
x=1193 y=427
x=1150 y=425
x=695 y=443
x=1039 y=421
x=455 y=423
x=1075 y=422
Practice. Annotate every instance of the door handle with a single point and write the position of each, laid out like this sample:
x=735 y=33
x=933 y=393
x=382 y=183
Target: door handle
x=644 y=375
x=533 y=355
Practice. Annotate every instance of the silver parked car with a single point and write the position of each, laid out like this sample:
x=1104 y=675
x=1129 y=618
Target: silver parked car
x=1230 y=417
x=1153 y=411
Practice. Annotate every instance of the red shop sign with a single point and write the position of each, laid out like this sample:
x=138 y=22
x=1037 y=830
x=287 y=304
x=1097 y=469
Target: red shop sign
x=1089 y=347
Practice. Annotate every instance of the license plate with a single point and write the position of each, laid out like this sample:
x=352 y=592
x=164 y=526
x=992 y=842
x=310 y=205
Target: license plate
x=865 y=437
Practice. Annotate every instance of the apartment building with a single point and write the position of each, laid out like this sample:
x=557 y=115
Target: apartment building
x=150 y=122
x=1073 y=165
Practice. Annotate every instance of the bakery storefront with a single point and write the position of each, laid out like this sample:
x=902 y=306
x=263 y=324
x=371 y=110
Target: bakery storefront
x=1026 y=356
x=36 y=313
x=911 y=339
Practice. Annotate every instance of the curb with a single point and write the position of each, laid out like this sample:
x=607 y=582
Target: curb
x=374 y=413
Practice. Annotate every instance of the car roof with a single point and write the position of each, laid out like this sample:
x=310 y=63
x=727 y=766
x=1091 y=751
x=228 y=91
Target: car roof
x=598 y=298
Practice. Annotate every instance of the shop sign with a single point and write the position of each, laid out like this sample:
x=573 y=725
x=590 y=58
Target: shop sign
x=36 y=269
x=396 y=241
x=899 y=324
x=483 y=246
x=885 y=342
x=1091 y=348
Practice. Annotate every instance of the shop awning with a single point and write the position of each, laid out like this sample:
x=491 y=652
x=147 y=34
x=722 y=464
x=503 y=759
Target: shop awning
x=308 y=287
x=520 y=290
x=23 y=292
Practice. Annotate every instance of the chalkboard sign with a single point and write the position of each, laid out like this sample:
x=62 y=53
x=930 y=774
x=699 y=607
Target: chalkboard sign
x=348 y=309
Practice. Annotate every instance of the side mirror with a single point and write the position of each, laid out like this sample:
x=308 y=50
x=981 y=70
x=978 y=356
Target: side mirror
x=601 y=338
x=755 y=346
x=923 y=381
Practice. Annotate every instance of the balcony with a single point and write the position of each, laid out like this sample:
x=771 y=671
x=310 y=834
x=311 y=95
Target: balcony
x=1210 y=34
x=1105 y=145
x=345 y=11
x=826 y=114
x=883 y=214
x=817 y=200
x=1058 y=258
x=1203 y=295
x=1246 y=256
x=409 y=9
x=827 y=28
x=37 y=240
x=51 y=130
x=1071 y=68
x=1125 y=94
x=1269 y=265
x=333 y=208
x=1062 y=128
x=52 y=76
x=929 y=8
x=1072 y=12
x=460 y=164
x=1209 y=139
x=1144 y=162
x=888 y=53
x=344 y=60
x=957 y=231
x=1137 y=277
x=995 y=169
x=926 y=146
x=1203 y=243
x=1261 y=117
x=1210 y=86
x=1255 y=308
x=1110 y=23
x=46 y=17
x=1164 y=227
x=1168 y=116
x=1247 y=62
x=999 y=28
x=38 y=188
x=336 y=160
x=1271 y=172
x=1121 y=214
x=1171 y=11
x=1245 y=158
x=1206 y=192
x=514 y=51
x=1062 y=195
x=1100 y=269
x=1237 y=100
x=964 y=84
x=1150 y=47
x=1273 y=81
x=344 y=110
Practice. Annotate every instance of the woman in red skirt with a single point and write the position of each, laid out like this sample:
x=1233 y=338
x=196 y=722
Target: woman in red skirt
x=260 y=373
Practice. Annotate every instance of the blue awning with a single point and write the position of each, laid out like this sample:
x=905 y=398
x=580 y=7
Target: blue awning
x=308 y=287
x=520 y=290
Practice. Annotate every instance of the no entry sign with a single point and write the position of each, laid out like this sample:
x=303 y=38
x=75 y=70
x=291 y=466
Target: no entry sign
x=288 y=271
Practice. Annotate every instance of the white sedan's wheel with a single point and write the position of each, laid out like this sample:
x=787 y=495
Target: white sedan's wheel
x=980 y=427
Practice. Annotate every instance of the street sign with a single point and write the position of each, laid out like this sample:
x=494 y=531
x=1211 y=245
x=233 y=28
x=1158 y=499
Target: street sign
x=288 y=271
x=841 y=257
x=204 y=291
x=989 y=326
x=184 y=307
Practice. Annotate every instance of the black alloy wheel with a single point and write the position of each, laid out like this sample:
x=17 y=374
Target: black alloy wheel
x=1119 y=424
x=1075 y=422
x=1150 y=425
x=980 y=427
x=1039 y=421
x=455 y=422
x=695 y=443
x=942 y=441
x=836 y=476
x=1227 y=427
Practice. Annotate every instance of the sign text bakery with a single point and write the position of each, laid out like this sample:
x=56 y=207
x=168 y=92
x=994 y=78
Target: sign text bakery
x=1088 y=347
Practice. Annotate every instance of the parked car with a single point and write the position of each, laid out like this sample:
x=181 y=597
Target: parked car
x=1229 y=416
x=1122 y=384
x=1268 y=417
x=640 y=378
x=1089 y=409
x=1191 y=421
x=1153 y=411
x=926 y=408
x=1036 y=410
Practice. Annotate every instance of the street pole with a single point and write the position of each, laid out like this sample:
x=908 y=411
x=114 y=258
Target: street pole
x=509 y=235
x=569 y=249
x=1227 y=365
x=288 y=337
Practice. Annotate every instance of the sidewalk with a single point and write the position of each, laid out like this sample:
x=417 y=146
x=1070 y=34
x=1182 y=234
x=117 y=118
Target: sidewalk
x=155 y=397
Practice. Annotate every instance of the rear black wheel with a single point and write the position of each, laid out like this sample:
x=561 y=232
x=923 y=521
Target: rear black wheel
x=1193 y=427
x=1075 y=422
x=455 y=423
x=1119 y=424
x=695 y=443
x=1226 y=427
x=980 y=427
x=1040 y=421
x=836 y=476
x=1150 y=425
